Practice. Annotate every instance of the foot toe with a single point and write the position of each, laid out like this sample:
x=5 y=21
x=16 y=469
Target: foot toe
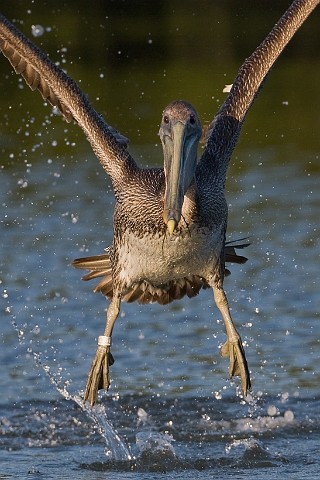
x=238 y=364
x=98 y=377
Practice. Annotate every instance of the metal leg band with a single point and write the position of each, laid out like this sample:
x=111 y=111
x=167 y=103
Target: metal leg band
x=104 y=341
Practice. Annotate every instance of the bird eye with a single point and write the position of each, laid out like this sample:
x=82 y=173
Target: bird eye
x=166 y=119
x=192 y=119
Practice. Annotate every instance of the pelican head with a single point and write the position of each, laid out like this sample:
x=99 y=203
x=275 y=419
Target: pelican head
x=180 y=132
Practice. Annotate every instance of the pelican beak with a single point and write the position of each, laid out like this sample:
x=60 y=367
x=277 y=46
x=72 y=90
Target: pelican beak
x=180 y=151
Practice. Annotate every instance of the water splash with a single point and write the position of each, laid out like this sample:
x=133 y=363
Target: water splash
x=156 y=452
x=116 y=448
x=251 y=452
x=155 y=442
x=155 y=449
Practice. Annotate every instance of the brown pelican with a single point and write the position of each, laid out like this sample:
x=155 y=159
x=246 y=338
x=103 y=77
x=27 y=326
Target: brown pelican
x=170 y=223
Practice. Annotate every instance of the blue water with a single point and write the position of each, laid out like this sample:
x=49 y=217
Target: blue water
x=170 y=408
x=171 y=411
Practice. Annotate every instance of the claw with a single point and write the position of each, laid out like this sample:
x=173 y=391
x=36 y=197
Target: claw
x=238 y=364
x=98 y=377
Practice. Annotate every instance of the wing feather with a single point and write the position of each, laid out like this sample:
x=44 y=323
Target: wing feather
x=221 y=135
x=62 y=92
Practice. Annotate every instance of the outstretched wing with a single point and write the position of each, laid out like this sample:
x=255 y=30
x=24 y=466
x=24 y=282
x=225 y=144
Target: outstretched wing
x=62 y=92
x=222 y=133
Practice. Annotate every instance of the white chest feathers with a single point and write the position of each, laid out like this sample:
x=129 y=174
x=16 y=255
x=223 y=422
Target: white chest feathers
x=158 y=259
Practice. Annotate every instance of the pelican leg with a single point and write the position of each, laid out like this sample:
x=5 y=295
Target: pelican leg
x=98 y=377
x=233 y=347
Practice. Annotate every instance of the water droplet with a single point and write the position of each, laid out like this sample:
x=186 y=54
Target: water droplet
x=272 y=410
x=37 y=30
x=74 y=218
x=289 y=415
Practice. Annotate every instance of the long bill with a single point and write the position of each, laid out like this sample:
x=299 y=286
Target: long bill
x=180 y=162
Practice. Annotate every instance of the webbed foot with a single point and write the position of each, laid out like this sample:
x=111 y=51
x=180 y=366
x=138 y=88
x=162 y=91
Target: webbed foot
x=98 y=377
x=238 y=363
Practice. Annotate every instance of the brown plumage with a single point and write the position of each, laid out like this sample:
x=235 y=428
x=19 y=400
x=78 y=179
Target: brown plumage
x=169 y=223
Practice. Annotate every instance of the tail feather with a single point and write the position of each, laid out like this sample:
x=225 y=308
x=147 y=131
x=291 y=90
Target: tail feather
x=230 y=253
